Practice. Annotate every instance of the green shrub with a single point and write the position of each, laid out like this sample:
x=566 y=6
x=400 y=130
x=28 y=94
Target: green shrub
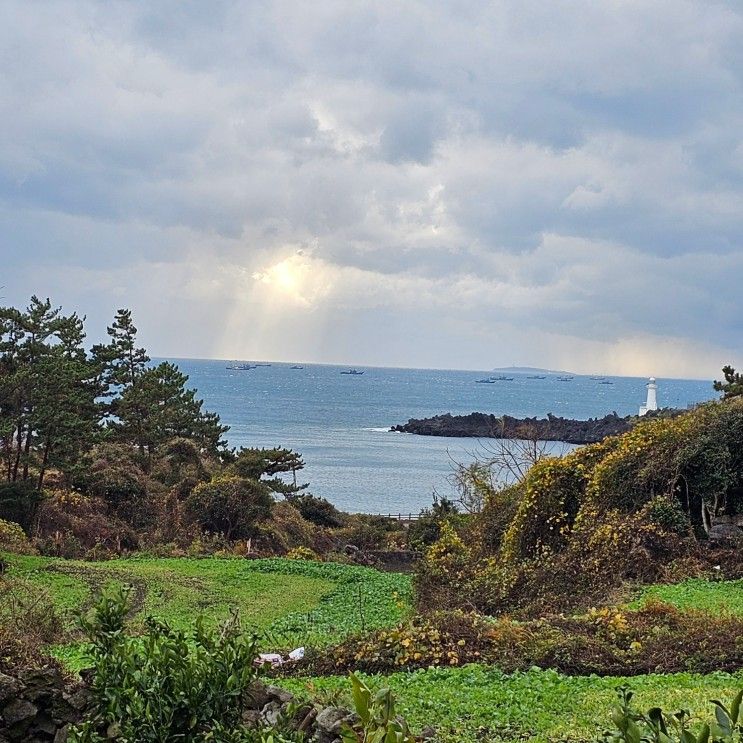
x=19 y=502
x=229 y=505
x=448 y=575
x=317 y=511
x=669 y=515
x=288 y=529
x=167 y=685
x=427 y=529
x=113 y=474
x=491 y=523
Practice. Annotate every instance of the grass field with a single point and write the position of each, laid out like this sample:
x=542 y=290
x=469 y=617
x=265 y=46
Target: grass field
x=289 y=602
x=478 y=703
x=704 y=595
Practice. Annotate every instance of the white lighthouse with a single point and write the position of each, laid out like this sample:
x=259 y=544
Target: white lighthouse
x=652 y=402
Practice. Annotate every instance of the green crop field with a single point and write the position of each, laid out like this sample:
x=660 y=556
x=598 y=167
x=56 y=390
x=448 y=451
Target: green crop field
x=476 y=702
x=292 y=602
x=289 y=602
x=704 y=595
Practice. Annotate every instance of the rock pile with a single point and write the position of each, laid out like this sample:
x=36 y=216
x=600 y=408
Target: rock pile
x=267 y=704
x=37 y=706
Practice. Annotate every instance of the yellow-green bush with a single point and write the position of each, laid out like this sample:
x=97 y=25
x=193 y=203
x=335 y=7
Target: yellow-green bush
x=654 y=638
x=301 y=553
x=694 y=460
x=579 y=525
x=14 y=539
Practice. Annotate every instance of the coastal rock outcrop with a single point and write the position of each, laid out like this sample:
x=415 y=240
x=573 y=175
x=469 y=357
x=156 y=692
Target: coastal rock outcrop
x=551 y=428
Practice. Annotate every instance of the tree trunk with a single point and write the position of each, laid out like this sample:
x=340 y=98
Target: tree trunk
x=9 y=456
x=19 y=448
x=26 y=453
x=44 y=462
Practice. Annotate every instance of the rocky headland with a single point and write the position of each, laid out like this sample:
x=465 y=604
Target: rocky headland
x=551 y=428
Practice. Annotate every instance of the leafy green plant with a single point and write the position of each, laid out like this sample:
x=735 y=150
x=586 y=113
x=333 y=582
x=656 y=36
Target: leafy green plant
x=378 y=722
x=167 y=685
x=655 y=726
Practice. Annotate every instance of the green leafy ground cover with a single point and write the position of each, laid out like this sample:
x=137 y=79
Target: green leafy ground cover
x=476 y=702
x=290 y=602
x=296 y=602
x=703 y=595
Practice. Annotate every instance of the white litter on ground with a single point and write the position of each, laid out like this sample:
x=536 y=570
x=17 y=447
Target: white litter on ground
x=275 y=659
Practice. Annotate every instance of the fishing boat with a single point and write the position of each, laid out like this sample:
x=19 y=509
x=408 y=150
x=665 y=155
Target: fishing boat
x=606 y=381
x=240 y=367
x=565 y=379
x=296 y=366
x=353 y=372
x=501 y=378
x=537 y=376
x=484 y=381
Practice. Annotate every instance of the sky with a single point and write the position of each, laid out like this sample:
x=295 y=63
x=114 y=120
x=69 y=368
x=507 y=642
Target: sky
x=452 y=185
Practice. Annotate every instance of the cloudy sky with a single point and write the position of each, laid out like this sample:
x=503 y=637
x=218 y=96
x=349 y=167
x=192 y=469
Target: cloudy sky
x=451 y=184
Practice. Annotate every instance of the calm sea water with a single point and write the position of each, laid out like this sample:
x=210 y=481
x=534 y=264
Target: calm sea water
x=340 y=422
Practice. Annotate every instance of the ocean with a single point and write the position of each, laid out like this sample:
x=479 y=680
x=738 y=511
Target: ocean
x=340 y=423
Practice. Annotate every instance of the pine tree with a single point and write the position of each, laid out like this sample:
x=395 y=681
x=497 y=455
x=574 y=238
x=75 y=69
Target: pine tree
x=66 y=415
x=169 y=410
x=47 y=391
x=122 y=365
x=26 y=341
x=256 y=464
x=733 y=384
x=148 y=405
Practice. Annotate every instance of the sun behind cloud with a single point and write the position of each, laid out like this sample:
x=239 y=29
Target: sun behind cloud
x=297 y=279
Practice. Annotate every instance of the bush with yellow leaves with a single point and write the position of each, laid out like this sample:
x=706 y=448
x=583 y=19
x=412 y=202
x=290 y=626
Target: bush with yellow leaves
x=14 y=539
x=657 y=638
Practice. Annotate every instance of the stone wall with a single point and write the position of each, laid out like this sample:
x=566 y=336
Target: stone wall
x=36 y=706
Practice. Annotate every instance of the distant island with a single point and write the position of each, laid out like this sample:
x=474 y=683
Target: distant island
x=551 y=428
x=532 y=370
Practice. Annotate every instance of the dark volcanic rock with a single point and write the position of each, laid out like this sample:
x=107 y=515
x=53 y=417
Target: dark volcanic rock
x=726 y=534
x=551 y=428
x=39 y=704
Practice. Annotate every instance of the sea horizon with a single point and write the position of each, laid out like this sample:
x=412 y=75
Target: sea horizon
x=481 y=370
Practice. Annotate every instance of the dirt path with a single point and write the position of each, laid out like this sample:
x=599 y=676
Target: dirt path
x=97 y=579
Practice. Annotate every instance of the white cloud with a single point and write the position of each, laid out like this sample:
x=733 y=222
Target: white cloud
x=419 y=184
